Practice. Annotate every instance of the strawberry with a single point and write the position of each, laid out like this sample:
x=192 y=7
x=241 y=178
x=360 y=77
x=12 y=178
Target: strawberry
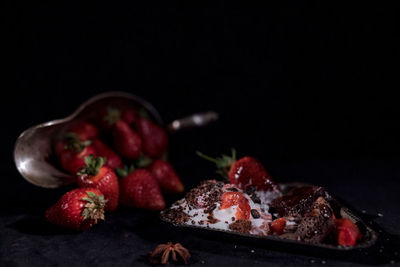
x=278 y=225
x=140 y=189
x=103 y=178
x=154 y=137
x=347 y=232
x=84 y=130
x=102 y=150
x=230 y=199
x=126 y=141
x=71 y=152
x=166 y=177
x=129 y=115
x=78 y=209
x=245 y=172
x=110 y=115
x=59 y=148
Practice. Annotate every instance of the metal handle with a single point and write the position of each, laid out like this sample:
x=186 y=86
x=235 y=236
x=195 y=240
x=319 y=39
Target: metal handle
x=195 y=120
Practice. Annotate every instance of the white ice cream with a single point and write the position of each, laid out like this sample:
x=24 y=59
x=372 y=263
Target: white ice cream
x=221 y=218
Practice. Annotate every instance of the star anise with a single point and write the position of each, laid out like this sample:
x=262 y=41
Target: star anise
x=165 y=252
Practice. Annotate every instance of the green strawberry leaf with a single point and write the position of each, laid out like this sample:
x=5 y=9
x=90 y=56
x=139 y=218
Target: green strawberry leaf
x=92 y=165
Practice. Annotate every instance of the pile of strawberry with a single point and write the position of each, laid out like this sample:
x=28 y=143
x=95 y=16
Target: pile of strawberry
x=94 y=151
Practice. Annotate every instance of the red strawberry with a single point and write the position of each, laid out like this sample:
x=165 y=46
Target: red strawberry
x=78 y=209
x=101 y=177
x=278 y=225
x=140 y=189
x=245 y=172
x=113 y=159
x=126 y=141
x=347 y=232
x=84 y=130
x=72 y=151
x=110 y=115
x=154 y=138
x=166 y=177
x=236 y=198
x=59 y=147
x=129 y=116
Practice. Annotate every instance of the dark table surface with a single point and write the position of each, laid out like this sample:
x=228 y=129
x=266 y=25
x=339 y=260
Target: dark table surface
x=127 y=235
x=306 y=88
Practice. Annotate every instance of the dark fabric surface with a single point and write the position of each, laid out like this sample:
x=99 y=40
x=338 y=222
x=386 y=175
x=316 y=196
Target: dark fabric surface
x=304 y=87
x=127 y=235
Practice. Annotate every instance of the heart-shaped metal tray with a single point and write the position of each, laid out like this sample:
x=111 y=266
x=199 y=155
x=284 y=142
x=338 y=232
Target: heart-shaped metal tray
x=368 y=250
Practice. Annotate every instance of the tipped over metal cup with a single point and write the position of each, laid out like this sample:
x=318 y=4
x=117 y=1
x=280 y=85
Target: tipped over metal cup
x=34 y=147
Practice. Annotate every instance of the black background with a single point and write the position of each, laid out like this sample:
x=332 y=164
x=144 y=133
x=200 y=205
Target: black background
x=308 y=88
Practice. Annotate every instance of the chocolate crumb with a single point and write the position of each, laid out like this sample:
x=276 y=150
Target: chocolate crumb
x=256 y=199
x=226 y=222
x=212 y=219
x=205 y=195
x=176 y=215
x=250 y=190
x=233 y=218
x=233 y=189
x=210 y=208
x=241 y=226
x=255 y=214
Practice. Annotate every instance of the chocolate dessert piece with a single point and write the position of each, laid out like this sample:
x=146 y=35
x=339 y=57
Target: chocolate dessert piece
x=316 y=224
x=176 y=215
x=205 y=195
x=241 y=226
x=298 y=201
x=305 y=213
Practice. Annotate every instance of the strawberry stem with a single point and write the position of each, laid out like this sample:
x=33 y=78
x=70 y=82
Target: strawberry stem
x=94 y=207
x=92 y=165
x=204 y=156
x=122 y=172
x=144 y=113
x=113 y=115
x=74 y=143
x=223 y=163
x=143 y=161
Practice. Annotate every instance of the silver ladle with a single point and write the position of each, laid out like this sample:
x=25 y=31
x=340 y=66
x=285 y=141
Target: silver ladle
x=33 y=148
